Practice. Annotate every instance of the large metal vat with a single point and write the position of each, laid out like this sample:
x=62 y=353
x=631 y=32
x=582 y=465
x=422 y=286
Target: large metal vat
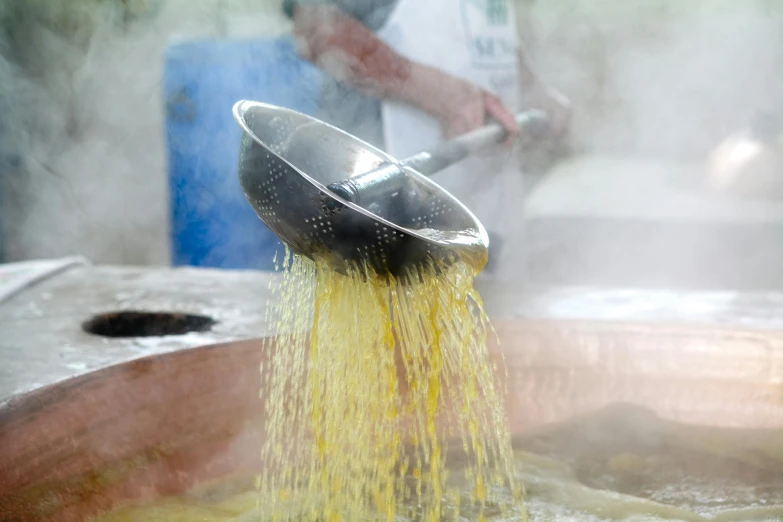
x=159 y=425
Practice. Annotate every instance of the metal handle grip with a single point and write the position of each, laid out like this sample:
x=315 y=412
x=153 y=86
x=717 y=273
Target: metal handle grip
x=390 y=178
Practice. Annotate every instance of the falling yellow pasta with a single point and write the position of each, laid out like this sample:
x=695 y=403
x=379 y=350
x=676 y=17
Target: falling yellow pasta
x=366 y=380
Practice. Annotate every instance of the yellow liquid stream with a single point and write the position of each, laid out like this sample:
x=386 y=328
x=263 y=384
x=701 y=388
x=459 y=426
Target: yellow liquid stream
x=356 y=409
x=365 y=380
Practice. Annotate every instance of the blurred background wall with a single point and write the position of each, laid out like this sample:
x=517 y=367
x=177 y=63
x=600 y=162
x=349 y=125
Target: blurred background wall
x=659 y=77
x=82 y=83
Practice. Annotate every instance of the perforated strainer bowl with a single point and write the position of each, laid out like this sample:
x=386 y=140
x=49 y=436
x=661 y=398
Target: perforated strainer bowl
x=286 y=161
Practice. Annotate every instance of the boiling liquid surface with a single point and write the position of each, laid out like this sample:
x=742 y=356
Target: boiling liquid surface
x=620 y=464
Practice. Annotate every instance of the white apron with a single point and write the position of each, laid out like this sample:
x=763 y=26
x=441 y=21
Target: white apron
x=475 y=40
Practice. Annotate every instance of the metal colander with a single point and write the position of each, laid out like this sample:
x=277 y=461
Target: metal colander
x=402 y=221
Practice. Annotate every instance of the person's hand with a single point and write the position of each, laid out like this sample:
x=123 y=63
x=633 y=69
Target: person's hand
x=538 y=153
x=554 y=103
x=458 y=105
x=537 y=95
x=468 y=107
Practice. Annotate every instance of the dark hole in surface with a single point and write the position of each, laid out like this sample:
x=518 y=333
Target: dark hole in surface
x=146 y=324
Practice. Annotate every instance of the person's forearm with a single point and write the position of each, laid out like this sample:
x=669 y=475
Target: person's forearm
x=426 y=89
x=351 y=53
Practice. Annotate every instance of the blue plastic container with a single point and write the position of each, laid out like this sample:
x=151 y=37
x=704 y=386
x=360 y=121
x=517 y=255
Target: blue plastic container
x=212 y=224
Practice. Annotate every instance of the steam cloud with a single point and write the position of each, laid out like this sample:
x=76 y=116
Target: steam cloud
x=80 y=98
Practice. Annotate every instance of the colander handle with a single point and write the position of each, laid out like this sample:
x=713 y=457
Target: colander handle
x=390 y=178
x=532 y=122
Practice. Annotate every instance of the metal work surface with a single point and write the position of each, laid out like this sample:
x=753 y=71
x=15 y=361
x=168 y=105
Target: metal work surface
x=41 y=338
x=42 y=342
